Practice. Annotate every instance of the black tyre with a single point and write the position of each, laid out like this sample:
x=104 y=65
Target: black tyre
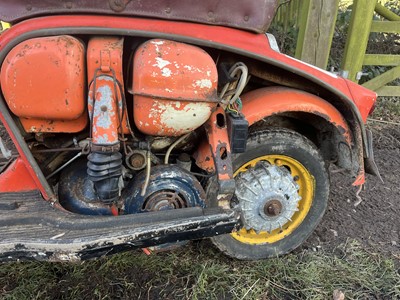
x=282 y=191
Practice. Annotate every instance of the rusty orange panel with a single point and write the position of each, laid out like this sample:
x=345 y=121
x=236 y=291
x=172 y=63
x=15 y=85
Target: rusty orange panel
x=174 y=87
x=44 y=78
x=105 y=113
x=104 y=54
x=204 y=158
x=208 y=150
x=265 y=102
x=38 y=125
x=16 y=178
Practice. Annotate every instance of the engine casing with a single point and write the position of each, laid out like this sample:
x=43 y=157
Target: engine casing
x=43 y=82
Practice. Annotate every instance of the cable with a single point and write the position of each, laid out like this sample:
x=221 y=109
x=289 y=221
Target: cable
x=203 y=175
x=166 y=159
x=237 y=69
x=148 y=171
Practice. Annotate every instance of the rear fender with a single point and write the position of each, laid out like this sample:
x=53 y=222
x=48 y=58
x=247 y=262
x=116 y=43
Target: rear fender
x=272 y=101
x=266 y=102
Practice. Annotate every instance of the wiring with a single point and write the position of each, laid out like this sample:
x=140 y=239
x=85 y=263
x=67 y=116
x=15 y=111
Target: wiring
x=231 y=91
x=166 y=159
x=148 y=172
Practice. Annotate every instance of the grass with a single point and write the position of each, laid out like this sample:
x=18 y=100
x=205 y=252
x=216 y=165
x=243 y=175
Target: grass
x=201 y=272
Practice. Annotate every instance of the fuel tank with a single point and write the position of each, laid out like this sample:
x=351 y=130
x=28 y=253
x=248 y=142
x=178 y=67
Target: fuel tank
x=174 y=87
x=43 y=82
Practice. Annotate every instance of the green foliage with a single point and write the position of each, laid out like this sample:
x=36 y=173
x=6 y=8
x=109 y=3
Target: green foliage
x=393 y=5
x=286 y=38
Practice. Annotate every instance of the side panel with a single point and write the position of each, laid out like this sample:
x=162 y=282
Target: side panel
x=16 y=178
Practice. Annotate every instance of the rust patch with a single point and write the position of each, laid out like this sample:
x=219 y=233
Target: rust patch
x=219 y=143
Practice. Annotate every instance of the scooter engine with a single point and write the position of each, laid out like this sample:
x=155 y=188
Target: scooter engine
x=170 y=187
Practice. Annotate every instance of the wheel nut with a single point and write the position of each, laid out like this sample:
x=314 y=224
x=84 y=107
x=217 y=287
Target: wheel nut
x=273 y=208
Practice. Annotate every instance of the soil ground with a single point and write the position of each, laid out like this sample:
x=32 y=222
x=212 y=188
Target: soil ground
x=375 y=222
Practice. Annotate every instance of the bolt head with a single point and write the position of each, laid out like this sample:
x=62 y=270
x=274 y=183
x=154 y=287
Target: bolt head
x=273 y=208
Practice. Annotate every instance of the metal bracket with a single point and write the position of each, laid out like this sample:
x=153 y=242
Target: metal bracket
x=361 y=74
x=218 y=138
x=105 y=61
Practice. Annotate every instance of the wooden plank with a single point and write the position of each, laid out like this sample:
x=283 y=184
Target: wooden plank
x=357 y=36
x=381 y=60
x=299 y=6
x=287 y=16
x=386 y=26
x=383 y=79
x=389 y=91
x=386 y=13
x=303 y=16
x=291 y=16
x=316 y=29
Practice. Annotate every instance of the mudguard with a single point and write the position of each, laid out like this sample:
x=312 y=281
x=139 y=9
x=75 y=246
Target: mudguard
x=266 y=102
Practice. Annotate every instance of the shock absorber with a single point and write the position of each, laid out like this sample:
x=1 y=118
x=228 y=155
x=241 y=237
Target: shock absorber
x=104 y=170
x=107 y=116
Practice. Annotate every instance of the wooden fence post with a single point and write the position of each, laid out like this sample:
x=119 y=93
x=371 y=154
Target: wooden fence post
x=357 y=36
x=316 y=26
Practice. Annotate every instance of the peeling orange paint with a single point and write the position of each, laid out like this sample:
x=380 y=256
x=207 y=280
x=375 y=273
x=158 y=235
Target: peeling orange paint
x=174 y=87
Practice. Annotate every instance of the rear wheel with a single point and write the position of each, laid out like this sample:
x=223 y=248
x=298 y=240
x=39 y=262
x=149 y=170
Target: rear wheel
x=282 y=190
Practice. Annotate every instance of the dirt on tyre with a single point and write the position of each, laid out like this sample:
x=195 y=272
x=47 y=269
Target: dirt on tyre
x=282 y=192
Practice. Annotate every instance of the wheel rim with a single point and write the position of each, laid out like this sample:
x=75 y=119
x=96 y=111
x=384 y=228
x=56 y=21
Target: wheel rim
x=306 y=184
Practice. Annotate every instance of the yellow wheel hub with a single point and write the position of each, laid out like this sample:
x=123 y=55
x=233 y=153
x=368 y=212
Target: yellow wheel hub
x=306 y=184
